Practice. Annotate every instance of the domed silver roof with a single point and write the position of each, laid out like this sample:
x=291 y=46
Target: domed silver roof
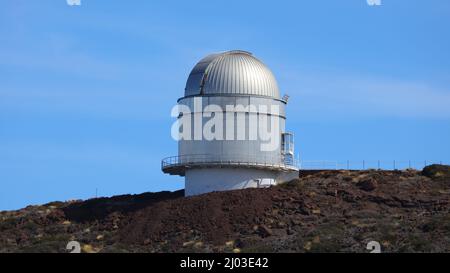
x=231 y=72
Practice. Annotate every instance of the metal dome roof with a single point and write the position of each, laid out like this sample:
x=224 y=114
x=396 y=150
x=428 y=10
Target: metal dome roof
x=231 y=72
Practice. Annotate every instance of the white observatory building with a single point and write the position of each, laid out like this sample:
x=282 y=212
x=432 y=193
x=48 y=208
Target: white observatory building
x=247 y=145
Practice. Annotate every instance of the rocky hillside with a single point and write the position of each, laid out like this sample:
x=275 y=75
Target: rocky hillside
x=327 y=211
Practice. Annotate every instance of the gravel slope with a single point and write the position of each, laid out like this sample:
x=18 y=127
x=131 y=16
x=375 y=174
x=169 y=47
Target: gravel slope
x=327 y=211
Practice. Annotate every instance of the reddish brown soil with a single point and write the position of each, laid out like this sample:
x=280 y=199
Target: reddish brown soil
x=328 y=211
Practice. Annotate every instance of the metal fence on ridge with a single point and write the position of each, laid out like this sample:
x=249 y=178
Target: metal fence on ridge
x=366 y=164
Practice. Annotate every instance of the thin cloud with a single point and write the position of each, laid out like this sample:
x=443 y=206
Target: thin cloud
x=355 y=97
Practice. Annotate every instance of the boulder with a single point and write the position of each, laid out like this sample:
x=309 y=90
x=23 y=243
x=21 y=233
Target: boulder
x=367 y=184
x=264 y=231
x=436 y=171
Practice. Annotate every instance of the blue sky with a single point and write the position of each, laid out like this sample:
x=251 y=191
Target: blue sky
x=86 y=91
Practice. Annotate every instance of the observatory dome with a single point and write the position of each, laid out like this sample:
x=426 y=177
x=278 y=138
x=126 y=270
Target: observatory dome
x=233 y=72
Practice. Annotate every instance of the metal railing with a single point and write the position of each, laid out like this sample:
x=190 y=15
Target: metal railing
x=287 y=163
x=229 y=159
x=366 y=164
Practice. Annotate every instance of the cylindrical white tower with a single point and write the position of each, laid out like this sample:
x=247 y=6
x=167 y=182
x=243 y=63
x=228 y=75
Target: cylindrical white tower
x=232 y=126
